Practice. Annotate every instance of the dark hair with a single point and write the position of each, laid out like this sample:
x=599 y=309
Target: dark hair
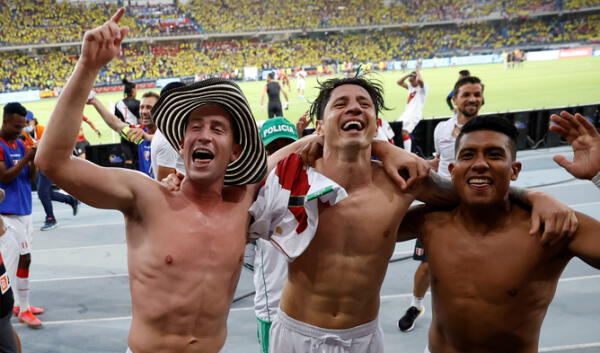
x=170 y=86
x=151 y=94
x=373 y=87
x=129 y=87
x=271 y=75
x=465 y=81
x=15 y=108
x=490 y=123
x=464 y=73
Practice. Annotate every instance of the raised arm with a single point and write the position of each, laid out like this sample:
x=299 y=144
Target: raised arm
x=419 y=78
x=401 y=82
x=109 y=118
x=94 y=185
x=585 y=140
x=93 y=126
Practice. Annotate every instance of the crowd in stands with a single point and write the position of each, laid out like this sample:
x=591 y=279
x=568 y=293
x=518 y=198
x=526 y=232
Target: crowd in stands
x=52 y=21
x=142 y=61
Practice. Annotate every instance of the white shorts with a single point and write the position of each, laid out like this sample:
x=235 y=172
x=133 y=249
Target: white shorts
x=409 y=123
x=10 y=253
x=22 y=231
x=292 y=336
x=301 y=84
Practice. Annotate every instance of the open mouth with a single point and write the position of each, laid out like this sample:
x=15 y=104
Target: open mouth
x=353 y=125
x=479 y=181
x=201 y=154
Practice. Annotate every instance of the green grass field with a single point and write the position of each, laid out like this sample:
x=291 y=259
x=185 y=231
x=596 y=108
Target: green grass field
x=535 y=85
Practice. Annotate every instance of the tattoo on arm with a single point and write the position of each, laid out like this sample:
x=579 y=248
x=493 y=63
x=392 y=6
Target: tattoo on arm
x=438 y=191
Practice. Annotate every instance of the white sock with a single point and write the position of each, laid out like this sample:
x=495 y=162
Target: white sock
x=407 y=144
x=417 y=302
x=23 y=293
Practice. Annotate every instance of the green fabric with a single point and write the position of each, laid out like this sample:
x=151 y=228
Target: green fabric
x=262 y=333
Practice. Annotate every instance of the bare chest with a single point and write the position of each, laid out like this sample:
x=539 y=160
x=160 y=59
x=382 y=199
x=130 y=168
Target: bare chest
x=364 y=222
x=491 y=266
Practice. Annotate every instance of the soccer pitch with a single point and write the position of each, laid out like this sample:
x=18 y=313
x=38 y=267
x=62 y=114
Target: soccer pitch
x=534 y=85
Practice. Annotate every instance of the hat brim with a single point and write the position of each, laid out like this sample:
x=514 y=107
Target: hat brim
x=173 y=109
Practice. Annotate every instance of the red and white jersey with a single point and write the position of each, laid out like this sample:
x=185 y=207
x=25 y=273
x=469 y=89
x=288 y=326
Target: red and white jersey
x=286 y=211
x=415 y=103
x=384 y=131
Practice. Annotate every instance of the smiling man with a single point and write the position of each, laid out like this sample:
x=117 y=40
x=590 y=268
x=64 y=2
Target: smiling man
x=184 y=248
x=330 y=302
x=491 y=282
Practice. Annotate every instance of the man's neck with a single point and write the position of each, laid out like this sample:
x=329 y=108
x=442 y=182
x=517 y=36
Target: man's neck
x=3 y=136
x=202 y=193
x=479 y=219
x=350 y=167
x=461 y=119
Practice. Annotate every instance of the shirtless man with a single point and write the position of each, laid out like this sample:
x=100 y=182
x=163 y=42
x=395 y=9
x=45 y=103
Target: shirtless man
x=182 y=276
x=484 y=266
x=331 y=298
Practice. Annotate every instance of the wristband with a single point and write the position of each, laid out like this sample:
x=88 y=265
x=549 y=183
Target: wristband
x=123 y=134
x=596 y=180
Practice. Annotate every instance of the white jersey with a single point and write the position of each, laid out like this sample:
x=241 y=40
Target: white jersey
x=301 y=79
x=384 y=131
x=286 y=210
x=413 y=112
x=444 y=144
x=270 y=273
x=164 y=155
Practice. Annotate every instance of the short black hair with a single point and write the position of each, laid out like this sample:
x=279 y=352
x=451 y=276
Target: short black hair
x=465 y=81
x=464 y=73
x=171 y=85
x=15 y=108
x=490 y=123
x=271 y=75
x=373 y=87
x=128 y=87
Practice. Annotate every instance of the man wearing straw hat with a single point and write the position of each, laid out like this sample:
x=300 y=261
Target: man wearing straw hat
x=184 y=248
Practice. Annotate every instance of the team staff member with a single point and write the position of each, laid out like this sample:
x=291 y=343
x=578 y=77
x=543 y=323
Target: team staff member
x=272 y=90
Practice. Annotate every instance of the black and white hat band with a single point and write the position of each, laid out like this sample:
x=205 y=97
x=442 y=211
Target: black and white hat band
x=173 y=109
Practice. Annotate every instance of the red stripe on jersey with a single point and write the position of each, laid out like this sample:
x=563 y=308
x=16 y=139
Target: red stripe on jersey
x=293 y=177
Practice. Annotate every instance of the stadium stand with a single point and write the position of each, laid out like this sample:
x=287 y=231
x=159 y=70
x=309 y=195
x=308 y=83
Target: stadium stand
x=51 y=21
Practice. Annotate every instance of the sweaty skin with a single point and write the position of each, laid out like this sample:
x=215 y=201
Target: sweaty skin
x=491 y=280
x=335 y=283
x=184 y=248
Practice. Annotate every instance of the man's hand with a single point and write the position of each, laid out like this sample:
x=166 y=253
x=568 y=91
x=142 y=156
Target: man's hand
x=135 y=134
x=584 y=139
x=173 y=181
x=555 y=219
x=30 y=155
x=313 y=150
x=102 y=44
x=302 y=123
x=404 y=168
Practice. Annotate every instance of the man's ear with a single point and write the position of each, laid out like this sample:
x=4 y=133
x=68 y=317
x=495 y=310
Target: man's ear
x=451 y=168
x=236 y=152
x=180 y=151
x=516 y=169
x=318 y=127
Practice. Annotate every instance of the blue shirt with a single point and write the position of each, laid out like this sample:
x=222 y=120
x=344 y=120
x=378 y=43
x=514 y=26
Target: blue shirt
x=18 y=191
